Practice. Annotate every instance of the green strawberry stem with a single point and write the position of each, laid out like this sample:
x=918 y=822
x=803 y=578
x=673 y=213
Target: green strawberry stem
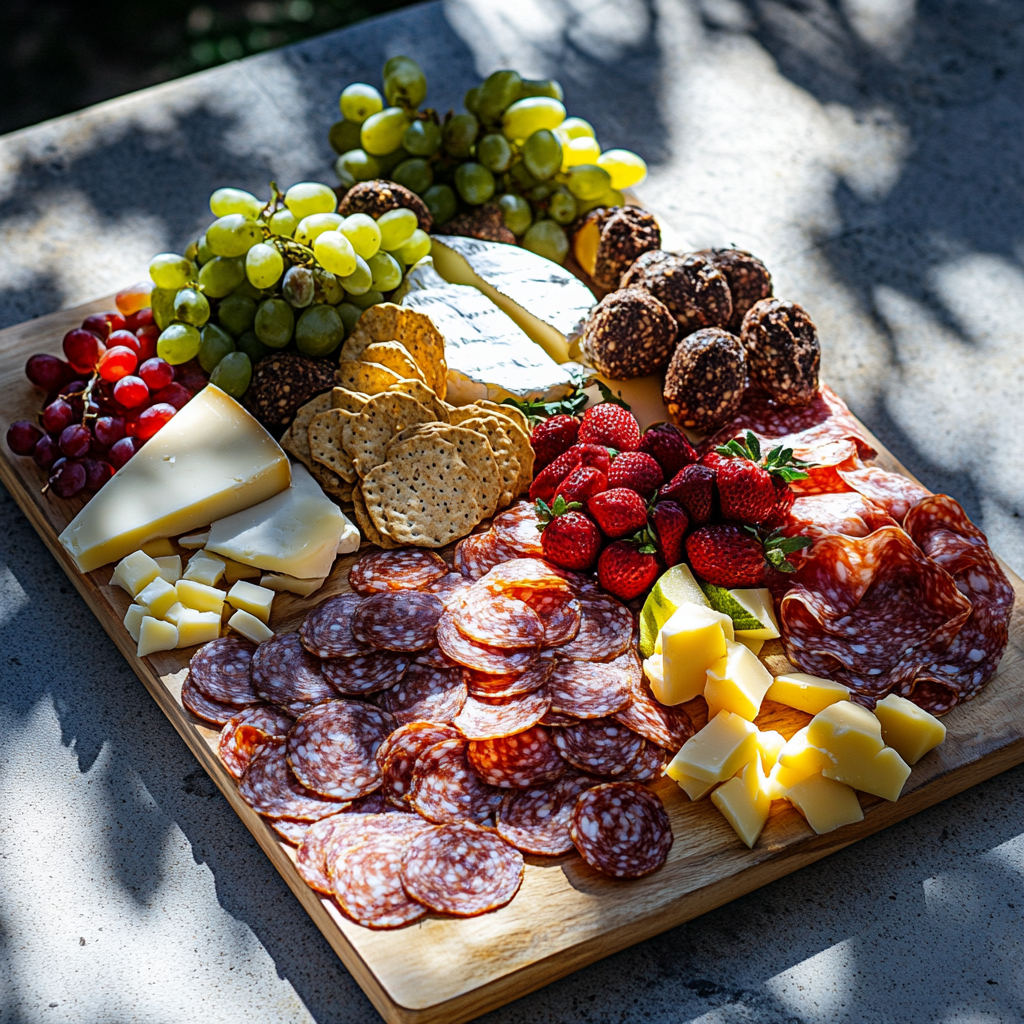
x=778 y=461
x=546 y=513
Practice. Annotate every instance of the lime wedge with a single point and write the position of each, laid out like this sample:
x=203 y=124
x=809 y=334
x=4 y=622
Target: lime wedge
x=674 y=588
x=722 y=600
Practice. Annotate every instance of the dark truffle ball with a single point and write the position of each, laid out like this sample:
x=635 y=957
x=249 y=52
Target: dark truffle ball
x=783 y=352
x=283 y=382
x=705 y=379
x=379 y=196
x=695 y=291
x=749 y=280
x=629 y=333
x=609 y=238
x=484 y=222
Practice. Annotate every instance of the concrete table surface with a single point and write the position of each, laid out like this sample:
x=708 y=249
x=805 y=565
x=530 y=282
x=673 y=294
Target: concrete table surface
x=872 y=153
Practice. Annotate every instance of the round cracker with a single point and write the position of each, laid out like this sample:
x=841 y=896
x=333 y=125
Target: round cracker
x=366 y=435
x=504 y=454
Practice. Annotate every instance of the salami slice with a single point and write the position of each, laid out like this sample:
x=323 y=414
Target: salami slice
x=310 y=857
x=290 y=831
x=606 y=629
x=482 y=719
x=516 y=762
x=462 y=869
x=399 y=621
x=194 y=700
x=398 y=754
x=400 y=569
x=560 y=613
x=367 y=883
x=479 y=657
x=246 y=733
x=477 y=554
x=649 y=764
x=366 y=674
x=524 y=574
x=372 y=803
x=496 y=620
x=434 y=657
x=556 y=720
x=221 y=670
x=327 y=630
x=425 y=695
x=483 y=685
x=588 y=690
x=270 y=788
x=621 y=829
x=536 y=820
x=893 y=492
x=668 y=727
x=284 y=672
x=331 y=748
x=446 y=789
x=448 y=588
x=516 y=527
x=823 y=515
x=602 y=747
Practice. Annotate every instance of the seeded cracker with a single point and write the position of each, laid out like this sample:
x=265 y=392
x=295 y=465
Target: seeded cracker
x=350 y=401
x=366 y=436
x=510 y=411
x=504 y=453
x=325 y=442
x=520 y=438
x=366 y=525
x=295 y=440
x=370 y=378
x=395 y=356
x=424 y=395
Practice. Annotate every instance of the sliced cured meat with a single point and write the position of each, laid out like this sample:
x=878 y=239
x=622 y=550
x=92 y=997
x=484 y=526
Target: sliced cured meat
x=483 y=685
x=524 y=574
x=515 y=762
x=461 y=869
x=247 y=732
x=331 y=748
x=536 y=820
x=425 y=695
x=606 y=629
x=290 y=831
x=845 y=513
x=581 y=586
x=446 y=789
x=434 y=657
x=366 y=674
x=649 y=764
x=400 y=621
x=588 y=690
x=482 y=719
x=372 y=803
x=194 y=700
x=270 y=788
x=398 y=754
x=668 y=727
x=601 y=747
x=516 y=527
x=479 y=657
x=496 y=620
x=561 y=614
x=621 y=829
x=449 y=587
x=310 y=857
x=367 y=883
x=327 y=630
x=477 y=554
x=400 y=569
x=221 y=670
x=556 y=720
x=893 y=492
x=284 y=672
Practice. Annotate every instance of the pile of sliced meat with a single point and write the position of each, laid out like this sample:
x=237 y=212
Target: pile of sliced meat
x=415 y=737
x=900 y=592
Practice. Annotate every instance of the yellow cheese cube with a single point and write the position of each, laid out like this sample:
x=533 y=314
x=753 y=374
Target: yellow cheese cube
x=170 y=567
x=158 y=597
x=736 y=683
x=204 y=568
x=695 y=789
x=135 y=572
x=718 y=751
x=825 y=804
x=162 y=548
x=252 y=599
x=909 y=730
x=690 y=642
x=133 y=620
x=801 y=755
x=197 y=627
x=174 y=612
x=199 y=596
x=234 y=571
x=760 y=605
x=744 y=802
x=250 y=627
x=754 y=646
x=806 y=692
x=194 y=540
x=769 y=746
x=781 y=779
x=156 y=635
x=291 y=584
x=654 y=670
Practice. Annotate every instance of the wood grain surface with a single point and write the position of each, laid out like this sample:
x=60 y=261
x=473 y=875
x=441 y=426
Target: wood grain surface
x=566 y=915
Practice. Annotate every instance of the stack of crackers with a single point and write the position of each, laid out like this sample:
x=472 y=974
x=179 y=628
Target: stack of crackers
x=415 y=469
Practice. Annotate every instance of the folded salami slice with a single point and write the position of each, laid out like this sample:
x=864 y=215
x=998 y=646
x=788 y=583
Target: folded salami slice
x=481 y=684
x=588 y=690
x=477 y=554
x=496 y=620
x=367 y=673
x=327 y=630
x=446 y=789
x=212 y=711
x=221 y=669
x=244 y=735
x=844 y=513
x=479 y=657
x=515 y=762
x=372 y=803
x=399 y=621
x=367 y=883
x=606 y=629
x=399 y=753
x=649 y=764
x=599 y=747
x=290 y=831
x=284 y=672
x=449 y=588
x=668 y=727
x=270 y=788
x=401 y=569
x=425 y=694
x=483 y=719
x=893 y=492
x=516 y=527
x=524 y=574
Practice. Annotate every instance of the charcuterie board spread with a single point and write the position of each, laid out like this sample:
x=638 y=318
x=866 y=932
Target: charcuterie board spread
x=520 y=613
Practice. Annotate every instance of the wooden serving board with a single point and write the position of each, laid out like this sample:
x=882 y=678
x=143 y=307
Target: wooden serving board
x=566 y=915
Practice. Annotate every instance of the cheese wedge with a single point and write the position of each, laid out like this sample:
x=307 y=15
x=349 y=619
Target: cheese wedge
x=825 y=803
x=250 y=627
x=211 y=460
x=736 y=682
x=806 y=692
x=718 y=751
x=909 y=730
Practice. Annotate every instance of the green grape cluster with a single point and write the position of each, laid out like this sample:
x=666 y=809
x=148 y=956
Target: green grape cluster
x=512 y=144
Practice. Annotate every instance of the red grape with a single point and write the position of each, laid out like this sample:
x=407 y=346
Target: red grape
x=22 y=437
x=68 y=479
x=126 y=338
x=97 y=473
x=144 y=318
x=101 y=324
x=131 y=391
x=83 y=349
x=45 y=452
x=121 y=451
x=174 y=394
x=109 y=429
x=190 y=375
x=130 y=300
x=147 y=341
x=57 y=415
x=156 y=373
x=152 y=419
x=48 y=372
x=117 y=362
x=75 y=440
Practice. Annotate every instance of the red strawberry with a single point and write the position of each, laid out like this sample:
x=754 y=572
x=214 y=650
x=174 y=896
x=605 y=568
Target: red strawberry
x=551 y=437
x=669 y=446
x=582 y=483
x=746 y=489
x=548 y=479
x=727 y=556
x=638 y=471
x=618 y=511
x=611 y=425
x=670 y=523
x=784 y=498
x=693 y=487
x=569 y=538
x=627 y=568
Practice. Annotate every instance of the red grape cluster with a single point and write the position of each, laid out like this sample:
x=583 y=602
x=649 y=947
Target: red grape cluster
x=107 y=397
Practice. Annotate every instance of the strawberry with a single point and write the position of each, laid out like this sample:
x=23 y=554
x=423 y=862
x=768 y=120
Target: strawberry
x=611 y=425
x=569 y=538
x=669 y=446
x=727 y=556
x=548 y=479
x=693 y=487
x=784 y=498
x=669 y=523
x=627 y=568
x=551 y=437
x=638 y=471
x=618 y=511
x=582 y=483
x=746 y=489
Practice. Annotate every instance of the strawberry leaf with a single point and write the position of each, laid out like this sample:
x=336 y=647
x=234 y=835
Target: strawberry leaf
x=753 y=445
x=608 y=396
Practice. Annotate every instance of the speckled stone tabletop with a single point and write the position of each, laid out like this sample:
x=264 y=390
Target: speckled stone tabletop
x=872 y=153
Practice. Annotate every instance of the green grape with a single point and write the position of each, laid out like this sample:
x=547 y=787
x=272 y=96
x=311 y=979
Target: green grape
x=588 y=181
x=283 y=223
x=358 y=101
x=360 y=280
x=161 y=301
x=386 y=271
x=327 y=287
x=203 y=251
x=178 y=344
x=309 y=197
x=577 y=128
x=192 y=251
x=521 y=175
x=609 y=198
x=169 y=270
x=191 y=307
x=264 y=265
x=471 y=100
x=415 y=174
x=275 y=321
x=459 y=134
x=540 y=193
x=422 y=138
x=345 y=180
x=389 y=162
x=547 y=239
x=334 y=253
x=235 y=200
x=320 y=331
x=583 y=150
x=474 y=183
x=515 y=212
x=246 y=288
x=236 y=313
x=540 y=87
x=297 y=287
x=382 y=133
x=222 y=275
x=396 y=228
x=527 y=116
x=252 y=347
x=366 y=300
x=214 y=344
x=233 y=235
x=359 y=164
x=349 y=316
x=404 y=82
x=494 y=152
x=441 y=202
x=343 y=136
x=562 y=207
x=415 y=248
x=498 y=91
x=233 y=373
x=310 y=228
x=625 y=167
x=362 y=231
x=542 y=154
